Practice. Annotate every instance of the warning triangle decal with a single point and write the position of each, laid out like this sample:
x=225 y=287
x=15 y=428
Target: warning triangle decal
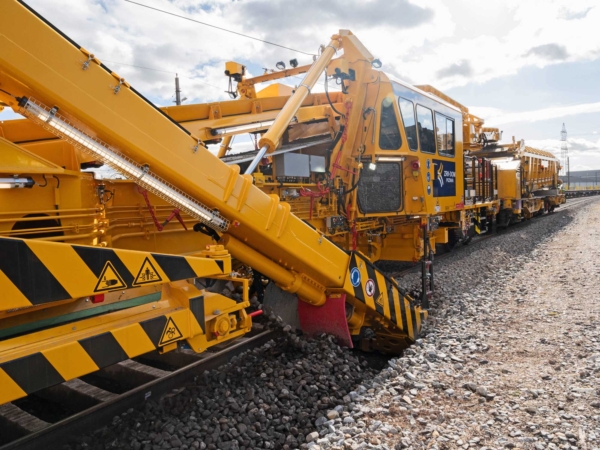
x=147 y=274
x=109 y=279
x=170 y=333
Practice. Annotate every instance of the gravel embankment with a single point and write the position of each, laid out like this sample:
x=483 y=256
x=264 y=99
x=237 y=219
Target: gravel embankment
x=509 y=359
x=511 y=355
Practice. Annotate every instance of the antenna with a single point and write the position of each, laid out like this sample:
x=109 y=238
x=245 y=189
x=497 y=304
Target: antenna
x=564 y=150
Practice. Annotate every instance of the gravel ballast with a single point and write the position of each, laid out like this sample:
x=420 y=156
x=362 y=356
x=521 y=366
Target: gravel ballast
x=511 y=355
x=510 y=358
x=271 y=397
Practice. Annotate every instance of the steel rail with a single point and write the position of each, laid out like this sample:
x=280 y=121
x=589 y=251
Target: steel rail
x=93 y=418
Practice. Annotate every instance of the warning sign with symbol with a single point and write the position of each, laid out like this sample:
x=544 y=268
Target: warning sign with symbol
x=370 y=287
x=170 y=333
x=147 y=274
x=109 y=279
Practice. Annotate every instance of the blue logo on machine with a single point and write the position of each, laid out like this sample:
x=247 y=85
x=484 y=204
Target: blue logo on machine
x=444 y=183
x=428 y=164
x=428 y=189
x=428 y=177
x=355 y=277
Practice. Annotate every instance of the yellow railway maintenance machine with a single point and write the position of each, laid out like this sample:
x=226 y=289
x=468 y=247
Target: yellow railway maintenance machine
x=96 y=271
x=528 y=183
x=380 y=170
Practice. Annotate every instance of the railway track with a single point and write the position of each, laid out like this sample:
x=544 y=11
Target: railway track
x=570 y=203
x=51 y=417
x=47 y=419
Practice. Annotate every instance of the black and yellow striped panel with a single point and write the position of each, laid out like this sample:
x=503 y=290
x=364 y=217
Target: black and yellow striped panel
x=37 y=272
x=22 y=376
x=382 y=295
x=477 y=223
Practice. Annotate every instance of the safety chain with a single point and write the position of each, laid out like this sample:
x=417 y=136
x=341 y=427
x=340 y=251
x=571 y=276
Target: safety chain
x=157 y=224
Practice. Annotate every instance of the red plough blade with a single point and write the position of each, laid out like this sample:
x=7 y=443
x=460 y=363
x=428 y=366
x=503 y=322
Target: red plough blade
x=329 y=318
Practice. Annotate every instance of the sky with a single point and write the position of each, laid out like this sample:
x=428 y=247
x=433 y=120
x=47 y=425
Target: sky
x=525 y=66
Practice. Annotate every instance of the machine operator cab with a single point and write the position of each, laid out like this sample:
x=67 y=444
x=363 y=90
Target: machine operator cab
x=417 y=163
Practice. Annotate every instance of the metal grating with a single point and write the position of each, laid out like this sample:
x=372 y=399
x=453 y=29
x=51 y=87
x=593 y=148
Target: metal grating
x=51 y=120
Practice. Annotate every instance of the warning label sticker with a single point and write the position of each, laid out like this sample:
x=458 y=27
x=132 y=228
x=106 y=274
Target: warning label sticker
x=109 y=279
x=370 y=287
x=170 y=333
x=147 y=274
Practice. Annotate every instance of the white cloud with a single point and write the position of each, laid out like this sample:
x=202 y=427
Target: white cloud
x=171 y=44
x=541 y=34
x=438 y=42
x=496 y=117
x=423 y=41
x=584 y=154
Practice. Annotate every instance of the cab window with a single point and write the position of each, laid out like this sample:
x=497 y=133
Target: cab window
x=407 y=109
x=389 y=132
x=425 y=127
x=445 y=134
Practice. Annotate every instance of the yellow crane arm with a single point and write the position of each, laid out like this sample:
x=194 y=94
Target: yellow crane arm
x=37 y=61
x=61 y=86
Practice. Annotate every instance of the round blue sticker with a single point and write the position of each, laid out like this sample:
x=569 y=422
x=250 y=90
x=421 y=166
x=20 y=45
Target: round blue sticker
x=428 y=177
x=428 y=189
x=355 y=277
x=428 y=164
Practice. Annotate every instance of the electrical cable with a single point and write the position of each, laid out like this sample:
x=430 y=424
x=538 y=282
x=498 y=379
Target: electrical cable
x=364 y=138
x=45 y=179
x=219 y=28
x=353 y=187
x=336 y=139
x=139 y=67
x=329 y=99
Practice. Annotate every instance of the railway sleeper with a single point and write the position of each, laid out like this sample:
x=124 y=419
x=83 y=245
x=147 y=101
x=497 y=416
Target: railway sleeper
x=76 y=394
x=16 y=423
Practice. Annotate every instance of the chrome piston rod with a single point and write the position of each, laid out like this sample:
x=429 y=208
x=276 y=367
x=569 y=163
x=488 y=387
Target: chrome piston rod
x=260 y=155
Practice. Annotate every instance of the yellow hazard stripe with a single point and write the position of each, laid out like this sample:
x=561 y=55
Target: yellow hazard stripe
x=397 y=309
x=70 y=360
x=10 y=389
x=38 y=272
x=409 y=318
x=26 y=374
x=382 y=285
x=374 y=290
x=66 y=266
x=12 y=297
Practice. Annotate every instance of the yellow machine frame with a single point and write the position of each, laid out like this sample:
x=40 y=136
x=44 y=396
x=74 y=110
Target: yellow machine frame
x=87 y=115
x=315 y=235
